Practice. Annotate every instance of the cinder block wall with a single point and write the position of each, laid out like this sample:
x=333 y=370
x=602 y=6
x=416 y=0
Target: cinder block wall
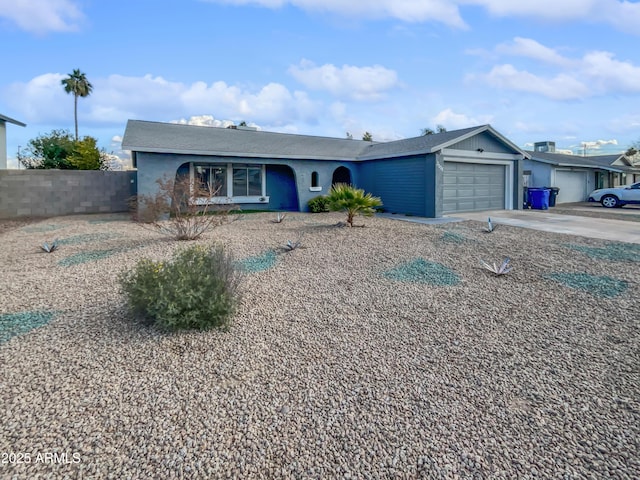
x=45 y=193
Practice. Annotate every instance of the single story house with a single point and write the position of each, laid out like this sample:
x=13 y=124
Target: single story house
x=574 y=175
x=3 y=138
x=462 y=170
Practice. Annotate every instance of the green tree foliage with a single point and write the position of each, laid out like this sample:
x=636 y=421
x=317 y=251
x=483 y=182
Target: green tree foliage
x=367 y=137
x=430 y=131
x=59 y=150
x=87 y=156
x=353 y=201
x=48 y=151
x=78 y=85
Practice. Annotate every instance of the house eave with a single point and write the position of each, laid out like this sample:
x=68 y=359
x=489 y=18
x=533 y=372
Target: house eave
x=483 y=128
x=4 y=118
x=220 y=153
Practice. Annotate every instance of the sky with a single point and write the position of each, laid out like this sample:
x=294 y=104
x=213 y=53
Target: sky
x=561 y=70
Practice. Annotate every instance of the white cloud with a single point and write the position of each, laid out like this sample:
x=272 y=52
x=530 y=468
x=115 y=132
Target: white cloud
x=560 y=87
x=42 y=16
x=443 y=11
x=610 y=74
x=597 y=144
x=117 y=98
x=204 y=121
x=40 y=100
x=621 y=14
x=358 y=83
x=526 y=47
x=453 y=121
x=596 y=73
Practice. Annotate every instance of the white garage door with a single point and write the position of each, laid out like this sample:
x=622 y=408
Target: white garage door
x=572 y=185
x=473 y=186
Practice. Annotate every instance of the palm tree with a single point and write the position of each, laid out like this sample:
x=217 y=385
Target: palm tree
x=353 y=201
x=77 y=84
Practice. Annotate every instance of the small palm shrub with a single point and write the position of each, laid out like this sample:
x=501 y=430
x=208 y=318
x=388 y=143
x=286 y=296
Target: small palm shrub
x=318 y=204
x=197 y=289
x=352 y=200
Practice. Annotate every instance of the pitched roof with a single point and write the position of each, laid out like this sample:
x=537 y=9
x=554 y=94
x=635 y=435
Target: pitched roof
x=4 y=118
x=431 y=143
x=602 y=162
x=143 y=136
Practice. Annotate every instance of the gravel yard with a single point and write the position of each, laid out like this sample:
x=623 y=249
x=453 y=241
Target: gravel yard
x=346 y=358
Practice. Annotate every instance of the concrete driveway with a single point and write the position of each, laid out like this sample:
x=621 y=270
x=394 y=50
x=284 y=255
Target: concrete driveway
x=546 y=220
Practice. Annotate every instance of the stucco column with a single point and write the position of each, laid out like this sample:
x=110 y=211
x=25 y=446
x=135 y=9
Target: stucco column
x=3 y=145
x=435 y=166
x=151 y=168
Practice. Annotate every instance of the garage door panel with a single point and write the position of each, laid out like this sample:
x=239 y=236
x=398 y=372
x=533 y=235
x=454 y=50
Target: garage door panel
x=473 y=186
x=573 y=186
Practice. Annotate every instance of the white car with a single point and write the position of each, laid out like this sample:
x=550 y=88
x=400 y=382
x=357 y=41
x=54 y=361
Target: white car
x=617 y=196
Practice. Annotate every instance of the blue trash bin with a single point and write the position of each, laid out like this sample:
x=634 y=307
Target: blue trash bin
x=539 y=198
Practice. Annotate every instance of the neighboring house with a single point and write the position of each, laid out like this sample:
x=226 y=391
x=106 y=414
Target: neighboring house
x=463 y=170
x=3 y=138
x=575 y=176
x=627 y=173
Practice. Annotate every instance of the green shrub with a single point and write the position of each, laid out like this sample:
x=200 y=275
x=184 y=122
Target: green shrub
x=197 y=289
x=318 y=204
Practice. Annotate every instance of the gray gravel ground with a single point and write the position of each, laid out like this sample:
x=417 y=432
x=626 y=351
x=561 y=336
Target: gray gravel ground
x=331 y=370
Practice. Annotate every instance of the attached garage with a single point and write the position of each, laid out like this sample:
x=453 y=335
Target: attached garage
x=473 y=186
x=462 y=170
x=573 y=186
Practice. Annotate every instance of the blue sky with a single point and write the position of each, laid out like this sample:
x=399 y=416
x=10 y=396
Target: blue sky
x=567 y=70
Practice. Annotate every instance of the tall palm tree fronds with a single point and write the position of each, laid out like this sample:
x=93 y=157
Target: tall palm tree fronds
x=77 y=84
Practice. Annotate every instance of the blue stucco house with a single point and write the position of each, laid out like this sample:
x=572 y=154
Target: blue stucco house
x=463 y=170
x=576 y=176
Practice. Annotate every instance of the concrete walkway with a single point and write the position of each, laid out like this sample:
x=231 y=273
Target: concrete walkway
x=603 y=228
x=606 y=229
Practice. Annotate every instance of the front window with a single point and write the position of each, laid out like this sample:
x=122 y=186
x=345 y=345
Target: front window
x=230 y=183
x=247 y=180
x=211 y=180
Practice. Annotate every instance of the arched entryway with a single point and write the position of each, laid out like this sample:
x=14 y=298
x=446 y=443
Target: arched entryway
x=281 y=188
x=341 y=175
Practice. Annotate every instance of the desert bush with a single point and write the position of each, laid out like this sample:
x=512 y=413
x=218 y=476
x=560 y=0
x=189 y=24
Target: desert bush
x=197 y=288
x=318 y=204
x=174 y=210
x=353 y=201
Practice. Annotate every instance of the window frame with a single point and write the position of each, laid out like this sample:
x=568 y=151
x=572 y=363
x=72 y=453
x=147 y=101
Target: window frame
x=315 y=182
x=228 y=197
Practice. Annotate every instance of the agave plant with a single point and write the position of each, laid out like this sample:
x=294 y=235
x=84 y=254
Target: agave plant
x=352 y=200
x=490 y=226
x=49 y=248
x=498 y=270
x=291 y=246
